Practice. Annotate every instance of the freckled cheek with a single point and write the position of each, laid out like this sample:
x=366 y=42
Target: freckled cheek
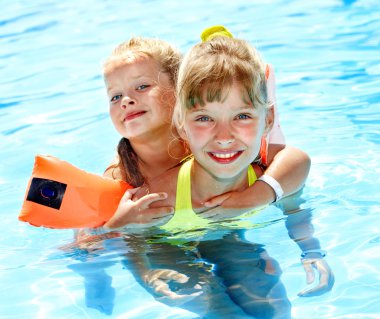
x=198 y=131
x=251 y=135
x=196 y=137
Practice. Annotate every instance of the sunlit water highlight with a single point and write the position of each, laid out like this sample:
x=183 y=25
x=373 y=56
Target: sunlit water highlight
x=326 y=56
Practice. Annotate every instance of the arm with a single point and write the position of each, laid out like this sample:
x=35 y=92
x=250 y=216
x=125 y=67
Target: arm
x=301 y=231
x=133 y=212
x=289 y=166
x=156 y=281
x=138 y=213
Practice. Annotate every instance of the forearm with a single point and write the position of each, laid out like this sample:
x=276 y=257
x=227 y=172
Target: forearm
x=290 y=167
x=136 y=260
x=299 y=224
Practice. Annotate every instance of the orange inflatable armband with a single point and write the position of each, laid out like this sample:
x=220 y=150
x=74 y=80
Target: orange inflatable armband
x=60 y=195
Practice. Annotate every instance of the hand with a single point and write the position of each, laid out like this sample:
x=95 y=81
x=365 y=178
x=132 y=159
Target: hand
x=224 y=206
x=134 y=213
x=85 y=240
x=158 y=281
x=326 y=276
x=233 y=204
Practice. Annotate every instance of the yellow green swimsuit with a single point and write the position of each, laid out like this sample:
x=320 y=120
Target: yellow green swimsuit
x=185 y=218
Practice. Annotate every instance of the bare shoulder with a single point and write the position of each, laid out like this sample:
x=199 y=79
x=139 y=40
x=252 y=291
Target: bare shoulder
x=113 y=170
x=166 y=182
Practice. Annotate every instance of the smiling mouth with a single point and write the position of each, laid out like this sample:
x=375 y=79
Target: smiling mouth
x=133 y=115
x=225 y=158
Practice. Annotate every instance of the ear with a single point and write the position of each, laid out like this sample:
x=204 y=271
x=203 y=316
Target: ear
x=269 y=120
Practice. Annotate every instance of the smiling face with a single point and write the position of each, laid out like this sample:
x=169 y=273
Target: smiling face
x=141 y=98
x=224 y=136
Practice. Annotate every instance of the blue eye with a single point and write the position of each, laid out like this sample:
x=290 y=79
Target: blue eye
x=116 y=98
x=142 y=87
x=203 y=118
x=243 y=117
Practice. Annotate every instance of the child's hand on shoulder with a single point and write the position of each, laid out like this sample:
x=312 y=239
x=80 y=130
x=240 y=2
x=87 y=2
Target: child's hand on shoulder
x=134 y=212
x=224 y=206
x=233 y=204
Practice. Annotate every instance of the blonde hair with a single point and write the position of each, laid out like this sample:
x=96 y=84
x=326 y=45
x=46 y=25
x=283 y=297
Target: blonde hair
x=163 y=53
x=211 y=67
x=168 y=59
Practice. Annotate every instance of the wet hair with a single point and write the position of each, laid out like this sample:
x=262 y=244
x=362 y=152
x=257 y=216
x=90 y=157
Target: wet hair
x=210 y=68
x=168 y=59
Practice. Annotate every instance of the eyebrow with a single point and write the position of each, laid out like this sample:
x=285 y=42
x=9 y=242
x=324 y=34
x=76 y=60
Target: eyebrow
x=134 y=78
x=109 y=89
x=202 y=109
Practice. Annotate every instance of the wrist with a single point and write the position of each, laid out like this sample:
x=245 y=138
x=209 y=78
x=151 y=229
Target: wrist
x=313 y=253
x=100 y=230
x=274 y=184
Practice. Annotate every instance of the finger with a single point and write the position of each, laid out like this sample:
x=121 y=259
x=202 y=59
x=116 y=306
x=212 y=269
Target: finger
x=146 y=200
x=217 y=200
x=180 y=278
x=315 y=291
x=169 y=274
x=177 y=300
x=129 y=194
x=133 y=191
x=326 y=277
x=156 y=216
x=307 y=265
x=187 y=296
x=161 y=287
x=210 y=213
x=218 y=213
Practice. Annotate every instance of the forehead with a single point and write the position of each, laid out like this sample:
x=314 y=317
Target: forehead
x=131 y=64
x=234 y=94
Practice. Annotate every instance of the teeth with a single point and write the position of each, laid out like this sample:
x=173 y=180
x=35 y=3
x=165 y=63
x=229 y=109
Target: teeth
x=224 y=155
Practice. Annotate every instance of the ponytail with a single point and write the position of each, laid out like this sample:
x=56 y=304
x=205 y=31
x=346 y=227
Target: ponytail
x=129 y=163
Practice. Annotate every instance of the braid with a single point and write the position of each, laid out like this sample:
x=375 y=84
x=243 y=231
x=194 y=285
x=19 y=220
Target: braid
x=129 y=163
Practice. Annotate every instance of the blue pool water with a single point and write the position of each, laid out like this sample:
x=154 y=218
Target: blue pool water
x=52 y=101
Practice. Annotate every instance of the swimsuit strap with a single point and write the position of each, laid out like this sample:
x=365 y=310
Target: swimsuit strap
x=184 y=215
x=252 y=178
x=183 y=193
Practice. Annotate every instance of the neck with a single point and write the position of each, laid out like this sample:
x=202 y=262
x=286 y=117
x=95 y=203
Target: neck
x=158 y=154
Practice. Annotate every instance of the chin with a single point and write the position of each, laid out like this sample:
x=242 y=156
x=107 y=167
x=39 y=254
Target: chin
x=226 y=175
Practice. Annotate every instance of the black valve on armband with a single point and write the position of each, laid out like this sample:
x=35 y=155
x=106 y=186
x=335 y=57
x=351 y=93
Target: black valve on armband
x=46 y=192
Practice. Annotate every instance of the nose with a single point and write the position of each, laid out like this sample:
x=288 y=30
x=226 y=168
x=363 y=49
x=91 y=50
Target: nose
x=225 y=142
x=127 y=101
x=224 y=135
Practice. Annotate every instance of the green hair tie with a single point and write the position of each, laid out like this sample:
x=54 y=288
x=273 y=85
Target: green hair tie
x=215 y=31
